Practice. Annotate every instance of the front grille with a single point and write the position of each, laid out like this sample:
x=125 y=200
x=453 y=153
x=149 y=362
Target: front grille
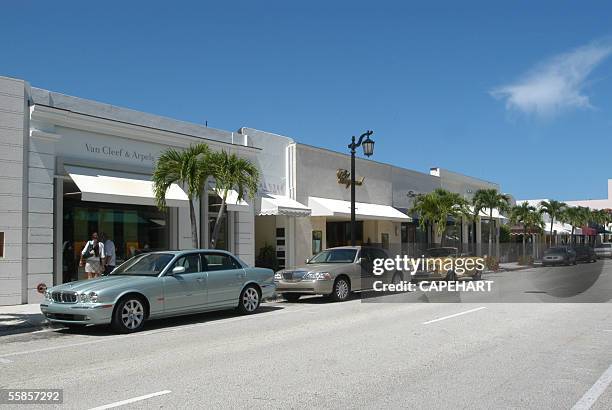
x=64 y=297
x=63 y=316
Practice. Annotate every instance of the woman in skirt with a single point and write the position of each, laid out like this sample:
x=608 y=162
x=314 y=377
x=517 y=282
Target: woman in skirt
x=92 y=257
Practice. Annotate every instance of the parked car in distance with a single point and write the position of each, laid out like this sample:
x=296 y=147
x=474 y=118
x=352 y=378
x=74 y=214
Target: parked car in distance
x=437 y=258
x=585 y=253
x=334 y=272
x=559 y=255
x=604 y=250
x=160 y=284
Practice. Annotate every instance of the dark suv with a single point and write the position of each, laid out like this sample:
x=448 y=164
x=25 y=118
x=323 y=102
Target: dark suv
x=585 y=253
x=559 y=255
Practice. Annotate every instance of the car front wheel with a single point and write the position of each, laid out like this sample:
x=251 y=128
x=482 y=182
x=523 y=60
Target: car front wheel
x=129 y=316
x=342 y=290
x=249 y=300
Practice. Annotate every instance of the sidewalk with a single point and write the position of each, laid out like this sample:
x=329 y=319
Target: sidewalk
x=21 y=318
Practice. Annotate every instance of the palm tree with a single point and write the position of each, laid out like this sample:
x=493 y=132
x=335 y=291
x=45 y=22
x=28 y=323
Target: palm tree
x=575 y=216
x=490 y=199
x=534 y=223
x=188 y=168
x=522 y=214
x=436 y=207
x=554 y=209
x=231 y=173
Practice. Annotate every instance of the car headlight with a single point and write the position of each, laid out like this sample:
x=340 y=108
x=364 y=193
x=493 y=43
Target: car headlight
x=48 y=295
x=317 y=276
x=278 y=276
x=88 y=297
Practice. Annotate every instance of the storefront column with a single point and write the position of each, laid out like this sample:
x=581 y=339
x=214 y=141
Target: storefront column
x=41 y=211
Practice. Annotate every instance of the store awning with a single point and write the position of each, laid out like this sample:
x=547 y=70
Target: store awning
x=121 y=188
x=484 y=213
x=282 y=205
x=342 y=209
x=232 y=203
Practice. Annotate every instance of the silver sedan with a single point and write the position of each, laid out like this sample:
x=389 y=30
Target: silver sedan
x=160 y=284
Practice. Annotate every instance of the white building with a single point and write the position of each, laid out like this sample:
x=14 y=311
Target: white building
x=70 y=167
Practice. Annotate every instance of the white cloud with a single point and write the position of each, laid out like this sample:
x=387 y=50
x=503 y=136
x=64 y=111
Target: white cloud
x=556 y=84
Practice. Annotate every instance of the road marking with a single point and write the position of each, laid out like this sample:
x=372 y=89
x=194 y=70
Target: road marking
x=128 y=401
x=455 y=315
x=5 y=361
x=591 y=396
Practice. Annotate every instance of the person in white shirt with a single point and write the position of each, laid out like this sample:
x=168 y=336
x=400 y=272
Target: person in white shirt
x=93 y=257
x=109 y=251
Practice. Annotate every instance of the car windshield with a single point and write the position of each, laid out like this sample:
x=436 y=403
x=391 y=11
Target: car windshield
x=554 y=251
x=440 y=252
x=334 y=256
x=149 y=264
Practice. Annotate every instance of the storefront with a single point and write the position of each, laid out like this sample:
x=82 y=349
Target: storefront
x=86 y=167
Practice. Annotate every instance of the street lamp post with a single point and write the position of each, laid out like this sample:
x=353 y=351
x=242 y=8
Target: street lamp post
x=368 y=149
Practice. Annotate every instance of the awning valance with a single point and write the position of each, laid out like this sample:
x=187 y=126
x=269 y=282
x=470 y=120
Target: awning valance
x=340 y=208
x=282 y=205
x=121 y=188
x=232 y=203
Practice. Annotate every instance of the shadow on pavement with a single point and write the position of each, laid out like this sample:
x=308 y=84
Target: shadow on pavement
x=167 y=323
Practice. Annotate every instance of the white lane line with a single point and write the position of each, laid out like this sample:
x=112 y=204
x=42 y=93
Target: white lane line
x=455 y=315
x=591 y=396
x=133 y=400
x=5 y=360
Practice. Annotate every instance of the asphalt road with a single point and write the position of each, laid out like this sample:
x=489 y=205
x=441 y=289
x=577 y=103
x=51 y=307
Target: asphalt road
x=339 y=355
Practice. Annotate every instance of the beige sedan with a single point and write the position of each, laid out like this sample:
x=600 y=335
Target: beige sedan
x=334 y=272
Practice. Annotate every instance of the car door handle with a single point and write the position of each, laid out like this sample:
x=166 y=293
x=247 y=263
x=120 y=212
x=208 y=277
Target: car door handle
x=200 y=279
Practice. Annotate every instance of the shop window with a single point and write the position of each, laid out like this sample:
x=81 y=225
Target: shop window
x=317 y=242
x=280 y=247
x=134 y=229
x=1 y=244
x=339 y=233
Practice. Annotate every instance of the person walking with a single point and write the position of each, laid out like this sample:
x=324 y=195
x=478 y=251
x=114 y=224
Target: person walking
x=109 y=251
x=92 y=257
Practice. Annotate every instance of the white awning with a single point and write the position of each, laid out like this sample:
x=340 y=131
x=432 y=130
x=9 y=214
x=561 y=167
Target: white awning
x=560 y=228
x=339 y=208
x=484 y=213
x=232 y=203
x=282 y=205
x=121 y=188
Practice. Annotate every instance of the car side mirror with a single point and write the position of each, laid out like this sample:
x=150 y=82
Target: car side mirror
x=361 y=260
x=177 y=270
x=307 y=260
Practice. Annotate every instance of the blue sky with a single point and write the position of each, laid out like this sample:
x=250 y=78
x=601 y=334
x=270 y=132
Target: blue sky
x=514 y=92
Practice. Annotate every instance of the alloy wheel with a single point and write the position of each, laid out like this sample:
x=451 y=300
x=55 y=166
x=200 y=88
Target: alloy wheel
x=132 y=314
x=250 y=299
x=342 y=289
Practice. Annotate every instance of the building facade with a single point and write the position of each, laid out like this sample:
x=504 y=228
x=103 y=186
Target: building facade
x=70 y=167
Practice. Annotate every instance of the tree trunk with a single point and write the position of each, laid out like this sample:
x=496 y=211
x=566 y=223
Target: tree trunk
x=524 y=243
x=490 y=232
x=552 y=220
x=217 y=228
x=194 y=226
